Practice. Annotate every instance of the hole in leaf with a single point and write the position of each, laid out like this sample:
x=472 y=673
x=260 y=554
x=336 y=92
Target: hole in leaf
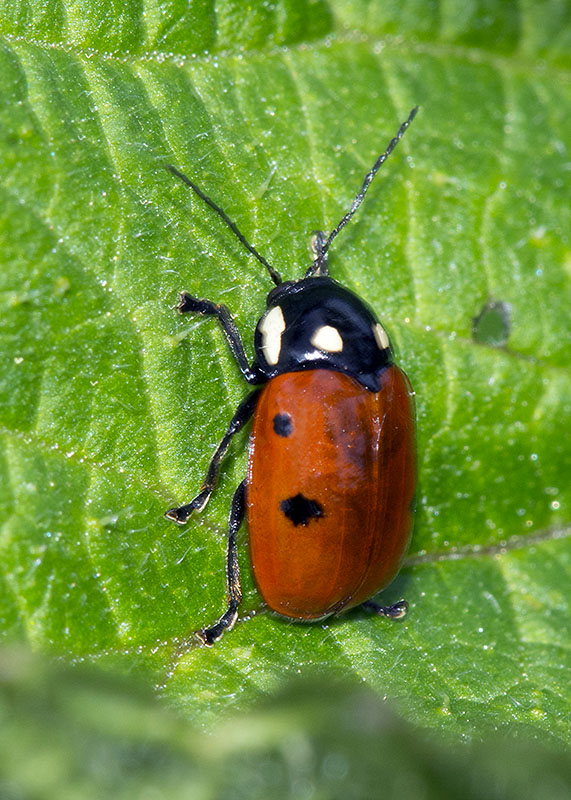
x=492 y=325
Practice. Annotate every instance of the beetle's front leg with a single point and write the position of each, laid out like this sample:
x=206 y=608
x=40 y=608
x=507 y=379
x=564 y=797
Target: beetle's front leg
x=243 y=413
x=318 y=240
x=192 y=305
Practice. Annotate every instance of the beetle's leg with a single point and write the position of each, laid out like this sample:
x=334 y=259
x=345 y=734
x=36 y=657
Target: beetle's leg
x=318 y=240
x=227 y=620
x=193 y=305
x=242 y=415
x=396 y=611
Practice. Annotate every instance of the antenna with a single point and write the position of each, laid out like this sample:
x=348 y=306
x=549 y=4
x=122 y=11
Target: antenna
x=319 y=264
x=232 y=225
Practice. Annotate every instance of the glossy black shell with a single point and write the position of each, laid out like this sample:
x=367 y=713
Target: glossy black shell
x=309 y=305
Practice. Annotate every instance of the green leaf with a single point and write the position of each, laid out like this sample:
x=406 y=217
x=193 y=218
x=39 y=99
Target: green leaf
x=79 y=734
x=111 y=404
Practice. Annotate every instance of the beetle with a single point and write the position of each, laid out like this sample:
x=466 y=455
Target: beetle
x=331 y=477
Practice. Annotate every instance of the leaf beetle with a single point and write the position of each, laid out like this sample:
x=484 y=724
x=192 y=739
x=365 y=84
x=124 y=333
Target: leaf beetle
x=331 y=474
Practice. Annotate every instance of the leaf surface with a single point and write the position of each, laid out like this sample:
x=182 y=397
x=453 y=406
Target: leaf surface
x=111 y=404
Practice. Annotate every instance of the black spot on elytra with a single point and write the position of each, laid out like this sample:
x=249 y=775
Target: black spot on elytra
x=300 y=510
x=283 y=425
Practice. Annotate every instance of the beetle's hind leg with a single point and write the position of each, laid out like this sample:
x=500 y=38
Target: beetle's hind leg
x=243 y=413
x=396 y=611
x=226 y=622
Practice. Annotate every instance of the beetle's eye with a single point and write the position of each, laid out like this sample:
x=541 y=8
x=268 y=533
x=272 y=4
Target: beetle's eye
x=279 y=290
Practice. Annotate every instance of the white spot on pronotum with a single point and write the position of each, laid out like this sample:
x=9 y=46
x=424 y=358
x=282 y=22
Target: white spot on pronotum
x=328 y=339
x=381 y=337
x=272 y=325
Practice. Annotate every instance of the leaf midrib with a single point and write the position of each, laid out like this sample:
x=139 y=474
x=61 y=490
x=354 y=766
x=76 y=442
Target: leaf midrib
x=472 y=55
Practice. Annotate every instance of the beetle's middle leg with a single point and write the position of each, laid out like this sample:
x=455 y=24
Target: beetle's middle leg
x=243 y=413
